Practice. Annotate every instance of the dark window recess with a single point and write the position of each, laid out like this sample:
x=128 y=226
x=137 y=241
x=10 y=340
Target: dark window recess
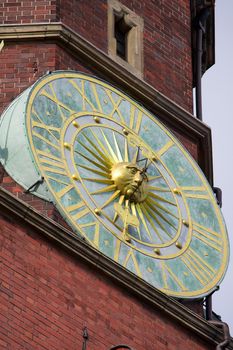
x=121 y=32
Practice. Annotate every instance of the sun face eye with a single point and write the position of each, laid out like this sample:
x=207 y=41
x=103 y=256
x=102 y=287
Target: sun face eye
x=133 y=171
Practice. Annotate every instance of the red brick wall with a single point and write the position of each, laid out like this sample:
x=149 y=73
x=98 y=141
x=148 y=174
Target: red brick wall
x=167 y=40
x=88 y=18
x=48 y=296
x=167 y=36
x=28 y=11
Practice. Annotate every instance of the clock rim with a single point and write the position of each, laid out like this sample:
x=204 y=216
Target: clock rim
x=75 y=74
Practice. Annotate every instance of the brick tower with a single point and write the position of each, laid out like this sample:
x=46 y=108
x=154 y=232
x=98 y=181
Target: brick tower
x=56 y=291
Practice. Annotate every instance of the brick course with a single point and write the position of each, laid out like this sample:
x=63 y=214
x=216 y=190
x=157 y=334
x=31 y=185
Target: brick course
x=28 y=11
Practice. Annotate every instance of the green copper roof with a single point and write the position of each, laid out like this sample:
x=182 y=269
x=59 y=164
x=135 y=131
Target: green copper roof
x=15 y=154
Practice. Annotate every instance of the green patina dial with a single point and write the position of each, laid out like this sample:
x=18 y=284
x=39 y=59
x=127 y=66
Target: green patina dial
x=125 y=183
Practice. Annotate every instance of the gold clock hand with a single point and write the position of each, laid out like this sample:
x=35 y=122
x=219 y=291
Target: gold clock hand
x=127 y=218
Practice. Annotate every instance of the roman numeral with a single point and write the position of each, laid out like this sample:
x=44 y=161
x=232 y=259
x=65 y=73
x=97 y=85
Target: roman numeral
x=198 y=266
x=130 y=257
x=49 y=129
x=135 y=121
x=64 y=191
x=96 y=97
x=53 y=163
x=60 y=170
x=59 y=103
x=165 y=148
x=96 y=226
x=82 y=92
x=81 y=213
x=167 y=272
x=115 y=106
x=51 y=144
x=194 y=192
x=207 y=236
x=73 y=207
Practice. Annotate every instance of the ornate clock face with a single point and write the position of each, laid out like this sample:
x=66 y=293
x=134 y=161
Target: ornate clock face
x=124 y=182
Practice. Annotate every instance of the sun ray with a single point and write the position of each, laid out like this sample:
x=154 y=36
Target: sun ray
x=121 y=200
x=134 y=212
x=108 y=170
x=108 y=176
x=94 y=154
x=101 y=145
x=126 y=151
x=153 y=202
x=105 y=189
x=117 y=148
x=151 y=222
x=154 y=177
x=109 y=147
x=151 y=194
x=101 y=181
x=156 y=219
x=111 y=199
x=141 y=215
x=160 y=214
x=104 y=154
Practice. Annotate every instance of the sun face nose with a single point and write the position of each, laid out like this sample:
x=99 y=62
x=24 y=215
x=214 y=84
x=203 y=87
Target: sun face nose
x=138 y=178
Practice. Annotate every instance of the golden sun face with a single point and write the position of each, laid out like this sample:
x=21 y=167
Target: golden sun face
x=131 y=181
x=135 y=199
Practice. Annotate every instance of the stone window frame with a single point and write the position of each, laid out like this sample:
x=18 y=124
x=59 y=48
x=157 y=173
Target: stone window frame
x=134 y=45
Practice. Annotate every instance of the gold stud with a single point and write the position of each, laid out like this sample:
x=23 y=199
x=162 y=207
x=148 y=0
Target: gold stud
x=185 y=223
x=97 y=211
x=154 y=159
x=97 y=120
x=67 y=145
x=176 y=190
x=178 y=245
x=75 y=177
x=105 y=101
x=157 y=251
x=75 y=124
x=125 y=132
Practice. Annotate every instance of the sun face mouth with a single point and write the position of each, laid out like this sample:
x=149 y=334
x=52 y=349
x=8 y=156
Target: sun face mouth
x=129 y=180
